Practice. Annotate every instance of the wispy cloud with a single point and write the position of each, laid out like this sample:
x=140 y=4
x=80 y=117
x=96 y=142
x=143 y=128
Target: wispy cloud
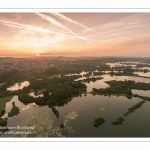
x=54 y=22
x=28 y=27
x=70 y=20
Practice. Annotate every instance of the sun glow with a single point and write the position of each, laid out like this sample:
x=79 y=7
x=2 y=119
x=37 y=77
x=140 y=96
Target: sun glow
x=68 y=34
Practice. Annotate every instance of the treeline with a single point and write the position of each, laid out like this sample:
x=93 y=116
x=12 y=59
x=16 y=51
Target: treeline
x=121 y=73
x=118 y=121
x=133 y=108
x=93 y=79
x=130 y=110
x=7 y=93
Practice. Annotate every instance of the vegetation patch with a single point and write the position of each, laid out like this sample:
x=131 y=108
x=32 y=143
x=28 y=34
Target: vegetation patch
x=93 y=79
x=121 y=73
x=118 y=121
x=14 y=111
x=132 y=109
x=55 y=111
x=121 y=88
x=62 y=125
x=98 y=121
x=62 y=90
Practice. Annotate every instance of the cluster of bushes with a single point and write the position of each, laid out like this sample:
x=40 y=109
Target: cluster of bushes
x=26 y=99
x=93 y=79
x=118 y=121
x=98 y=121
x=121 y=73
x=62 y=125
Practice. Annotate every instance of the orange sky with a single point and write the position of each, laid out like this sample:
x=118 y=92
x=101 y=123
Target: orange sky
x=92 y=34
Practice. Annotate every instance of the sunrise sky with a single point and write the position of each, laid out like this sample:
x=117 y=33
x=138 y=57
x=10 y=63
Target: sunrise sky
x=75 y=34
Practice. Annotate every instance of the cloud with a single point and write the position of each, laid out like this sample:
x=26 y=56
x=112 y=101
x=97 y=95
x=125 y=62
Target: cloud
x=18 y=25
x=28 y=27
x=70 y=20
x=54 y=22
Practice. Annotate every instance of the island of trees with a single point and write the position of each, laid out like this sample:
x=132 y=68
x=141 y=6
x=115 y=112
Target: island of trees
x=133 y=108
x=121 y=88
x=118 y=121
x=14 y=111
x=98 y=121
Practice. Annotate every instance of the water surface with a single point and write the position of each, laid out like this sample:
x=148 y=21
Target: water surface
x=18 y=86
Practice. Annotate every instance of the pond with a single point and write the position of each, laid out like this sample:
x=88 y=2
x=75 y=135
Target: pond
x=33 y=94
x=141 y=92
x=143 y=74
x=19 y=104
x=81 y=73
x=78 y=115
x=18 y=86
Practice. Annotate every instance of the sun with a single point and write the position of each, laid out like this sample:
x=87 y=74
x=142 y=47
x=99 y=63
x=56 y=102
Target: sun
x=37 y=55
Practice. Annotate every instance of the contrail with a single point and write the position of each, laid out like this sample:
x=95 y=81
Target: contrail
x=53 y=21
x=13 y=24
x=70 y=20
x=28 y=27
